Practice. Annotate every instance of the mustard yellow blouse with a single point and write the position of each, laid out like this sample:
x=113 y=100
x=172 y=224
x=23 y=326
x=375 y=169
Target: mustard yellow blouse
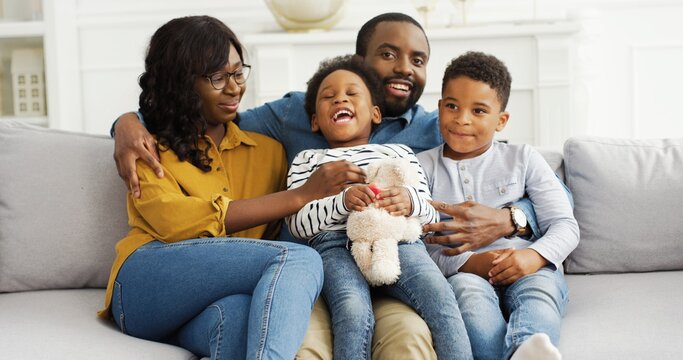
x=188 y=203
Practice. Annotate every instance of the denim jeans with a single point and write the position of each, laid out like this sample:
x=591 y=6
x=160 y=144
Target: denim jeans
x=421 y=285
x=227 y=298
x=533 y=304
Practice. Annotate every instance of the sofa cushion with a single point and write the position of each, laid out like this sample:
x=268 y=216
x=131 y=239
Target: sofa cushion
x=62 y=208
x=623 y=316
x=554 y=158
x=627 y=196
x=61 y=324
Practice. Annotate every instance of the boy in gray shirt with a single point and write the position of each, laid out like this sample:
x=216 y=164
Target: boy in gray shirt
x=511 y=293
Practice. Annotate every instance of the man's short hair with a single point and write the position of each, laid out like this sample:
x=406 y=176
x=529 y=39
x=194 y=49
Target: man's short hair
x=368 y=29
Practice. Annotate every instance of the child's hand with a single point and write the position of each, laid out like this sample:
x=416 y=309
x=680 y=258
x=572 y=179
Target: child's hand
x=480 y=263
x=395 y=200
x=358 y=197
x=512 y=264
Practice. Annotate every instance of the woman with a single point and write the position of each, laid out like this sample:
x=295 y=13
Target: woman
x=177 y=277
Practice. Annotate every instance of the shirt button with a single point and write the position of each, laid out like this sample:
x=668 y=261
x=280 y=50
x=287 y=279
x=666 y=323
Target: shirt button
x=503 y=190
x=219 y=168
x=469 y=198
x=225 y=189
x=467 y=181
x=462 y=167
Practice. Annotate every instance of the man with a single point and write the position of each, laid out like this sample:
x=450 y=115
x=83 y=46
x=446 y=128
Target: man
x=396 y=47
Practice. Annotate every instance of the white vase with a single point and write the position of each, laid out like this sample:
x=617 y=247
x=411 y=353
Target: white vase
x=305 y=15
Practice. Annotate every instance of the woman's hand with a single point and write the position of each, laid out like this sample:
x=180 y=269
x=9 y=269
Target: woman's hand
x=132 y=142
x=395 y=200
x=358 y=197
x=512 y=264
x=330 y=179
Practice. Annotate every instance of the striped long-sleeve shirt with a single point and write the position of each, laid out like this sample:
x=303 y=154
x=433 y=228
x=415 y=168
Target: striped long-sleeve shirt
x=330 y=214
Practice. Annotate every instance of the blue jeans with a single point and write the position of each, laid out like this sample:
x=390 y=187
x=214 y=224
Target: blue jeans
x=421 y=285
x=227 y=298
x=533 y=304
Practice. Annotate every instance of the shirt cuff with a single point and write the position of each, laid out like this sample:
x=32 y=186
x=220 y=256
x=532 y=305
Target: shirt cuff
x=112 y=130
x=528 y=208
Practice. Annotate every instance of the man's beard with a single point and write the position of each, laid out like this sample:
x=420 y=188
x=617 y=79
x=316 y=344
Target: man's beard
x=397 y=108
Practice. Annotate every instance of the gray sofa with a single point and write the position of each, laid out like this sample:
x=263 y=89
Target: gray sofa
x=62 y=209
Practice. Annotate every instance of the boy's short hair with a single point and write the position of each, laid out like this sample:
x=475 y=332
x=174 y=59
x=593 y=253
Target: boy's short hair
x=352 y=63
x=481 y=67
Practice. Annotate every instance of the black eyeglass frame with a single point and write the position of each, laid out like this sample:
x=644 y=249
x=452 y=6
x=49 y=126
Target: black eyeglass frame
x=229 y=75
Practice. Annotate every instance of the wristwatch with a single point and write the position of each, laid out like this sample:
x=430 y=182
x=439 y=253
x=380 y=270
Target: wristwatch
x=518 y=220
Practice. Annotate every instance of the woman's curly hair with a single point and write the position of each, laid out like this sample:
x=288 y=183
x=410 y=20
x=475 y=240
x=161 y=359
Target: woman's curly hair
x=352 y=63
x=481 y=67
x=181 y=51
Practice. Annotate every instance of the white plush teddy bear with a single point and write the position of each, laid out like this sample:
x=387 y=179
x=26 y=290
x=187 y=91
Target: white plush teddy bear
x=375 y=233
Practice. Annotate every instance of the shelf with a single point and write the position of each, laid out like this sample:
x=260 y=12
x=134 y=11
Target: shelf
x=471 y=31
x=33 y=120
x=19 y=29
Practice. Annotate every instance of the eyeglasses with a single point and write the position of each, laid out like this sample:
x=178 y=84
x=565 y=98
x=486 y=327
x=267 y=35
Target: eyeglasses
x=220 y=80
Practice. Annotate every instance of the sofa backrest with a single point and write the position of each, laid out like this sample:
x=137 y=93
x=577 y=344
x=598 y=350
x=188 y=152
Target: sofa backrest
x=62 y=208
x=628 y=201
x=555 y=159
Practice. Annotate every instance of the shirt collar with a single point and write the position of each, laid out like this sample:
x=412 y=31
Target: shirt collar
x=234 y=136
x=407 y=116
x=475 y=160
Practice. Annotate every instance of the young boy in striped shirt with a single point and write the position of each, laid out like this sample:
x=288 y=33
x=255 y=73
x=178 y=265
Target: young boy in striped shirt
x=343 y=99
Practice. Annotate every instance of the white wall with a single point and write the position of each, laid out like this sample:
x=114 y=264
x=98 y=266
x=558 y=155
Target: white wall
x=631 y=70
x=627 y=76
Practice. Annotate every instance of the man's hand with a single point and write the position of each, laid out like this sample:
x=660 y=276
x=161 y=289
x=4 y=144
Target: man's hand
x=473 y=225
x=395 y=200
x=132 y=142
x=512 y=264
x=358 y=197
x=330 y=179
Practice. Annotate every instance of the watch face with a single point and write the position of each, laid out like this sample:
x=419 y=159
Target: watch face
x=520 y=217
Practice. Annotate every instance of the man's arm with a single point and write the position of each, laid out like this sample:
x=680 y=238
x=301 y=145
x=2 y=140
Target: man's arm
x=133 y=141
x=473 y=225
x=532 y=230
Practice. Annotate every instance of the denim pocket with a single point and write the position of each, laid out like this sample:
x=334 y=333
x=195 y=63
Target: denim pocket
x=117 y=307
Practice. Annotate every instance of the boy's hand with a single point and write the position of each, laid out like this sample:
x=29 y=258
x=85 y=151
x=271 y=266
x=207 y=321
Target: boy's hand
x=132 y=142
x=358 y=197
x=512 y=264
x=395 y=200
x=480 y=263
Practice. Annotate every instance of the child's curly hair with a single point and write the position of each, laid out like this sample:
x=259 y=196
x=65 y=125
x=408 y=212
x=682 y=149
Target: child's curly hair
x=352 y=63
x=481 y=67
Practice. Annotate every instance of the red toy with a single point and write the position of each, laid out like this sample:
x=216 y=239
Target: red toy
x=375 y=189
